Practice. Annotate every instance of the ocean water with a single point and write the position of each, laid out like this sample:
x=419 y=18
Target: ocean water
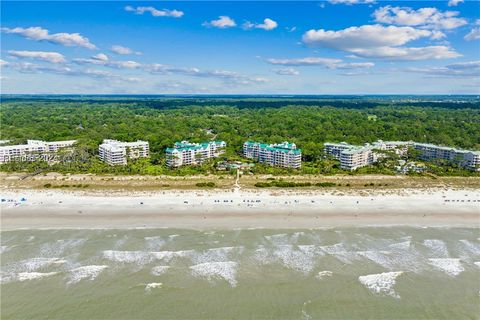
x=348 y=273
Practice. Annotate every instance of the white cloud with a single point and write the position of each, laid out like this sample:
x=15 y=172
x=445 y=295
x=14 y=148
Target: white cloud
x=367 y=36
x=121 y=50
x=324 y=62
x=377 y=41
x=308 y=61
x=423 y=17
x=155 y=12
x=469 y=69
x=474 y=34
x=287 y=72
x=454 y=3
x=100 y=57
x=268 y=24
x=354 y=65
x=410 y=53
x=230 y=77
x=350 y=2
x=52 y=57
x=437 y=35
x=354 y=74
x=222 y=22
x=3 y=63
x=65 y=70
x=40 y=34
x=103 y=60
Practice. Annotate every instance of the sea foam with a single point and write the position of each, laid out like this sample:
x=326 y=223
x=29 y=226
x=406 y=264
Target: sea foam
x=404 y=245
x=4 y=249
x=214 y=254
x=25 y=276
x=339 y=251
x=59 y=247
x=381 y=283
x=85 y=272
x=324 y=274
x=159 y=270
x=468 y=249
x=137 y=257
x=143 y=257
x=301 y=260
x=438 y=249
x=154 y=243
x=452 y=267
x=212 y=270
x=152 y=285
x=33 y=264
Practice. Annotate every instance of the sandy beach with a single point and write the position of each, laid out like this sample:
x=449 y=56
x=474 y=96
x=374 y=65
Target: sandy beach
x=44 y=209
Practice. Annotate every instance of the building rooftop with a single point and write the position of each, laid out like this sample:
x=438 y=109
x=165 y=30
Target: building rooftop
x=433 y=146
x=351 y=149
x=116 y=146
x=31 y=143
x=286 y=147
x=189 y=146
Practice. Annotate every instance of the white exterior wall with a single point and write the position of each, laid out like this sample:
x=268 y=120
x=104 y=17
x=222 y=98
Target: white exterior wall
x=465 y=158
x=472 y=161
x=335 y=149
x=33 y=150
x=193 y=155
x=251 y=151
x=356 y=159
x=115 y=152
x=280 y=157
x=352 y=157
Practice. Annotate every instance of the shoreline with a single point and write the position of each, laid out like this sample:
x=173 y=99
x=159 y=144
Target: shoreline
x=221 y=209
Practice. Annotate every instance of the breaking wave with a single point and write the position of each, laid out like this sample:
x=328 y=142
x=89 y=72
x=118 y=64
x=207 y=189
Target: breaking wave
x=381 y=283
x=452 y=267
x=25 y=276
x=85 y=272
x=214 y=270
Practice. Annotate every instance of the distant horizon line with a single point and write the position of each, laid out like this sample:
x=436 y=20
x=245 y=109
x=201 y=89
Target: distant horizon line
x=243 y=94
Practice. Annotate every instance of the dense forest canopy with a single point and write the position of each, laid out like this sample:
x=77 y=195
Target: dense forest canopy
x=308 y=122
x=263 y=101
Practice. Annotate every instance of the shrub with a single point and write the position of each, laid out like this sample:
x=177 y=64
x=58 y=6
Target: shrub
x=325 y=184
x=205 y=184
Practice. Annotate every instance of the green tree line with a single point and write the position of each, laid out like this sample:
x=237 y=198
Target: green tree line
x=309 y=126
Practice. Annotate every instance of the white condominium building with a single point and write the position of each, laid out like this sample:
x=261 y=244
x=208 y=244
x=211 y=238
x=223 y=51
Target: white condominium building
x=284 y=154
x=35 y=150
x=468 y=159
x=357 y=157
x=352 y=157
x=187 y=153
x=115 y=152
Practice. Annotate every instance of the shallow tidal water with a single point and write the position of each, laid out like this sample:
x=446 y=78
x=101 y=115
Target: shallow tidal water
x=347 y=273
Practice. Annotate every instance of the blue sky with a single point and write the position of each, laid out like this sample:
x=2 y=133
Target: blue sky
x=318 y=47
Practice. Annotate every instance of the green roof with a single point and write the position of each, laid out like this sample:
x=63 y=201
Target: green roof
x=285 y=147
